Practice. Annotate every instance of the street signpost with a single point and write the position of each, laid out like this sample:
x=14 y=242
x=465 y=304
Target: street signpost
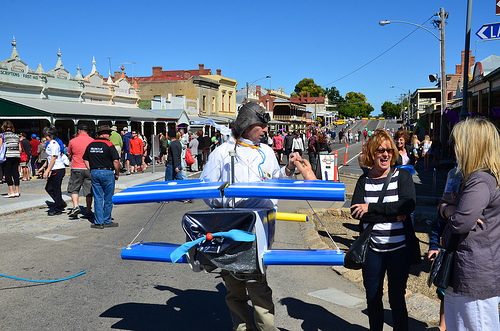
x=489 y=31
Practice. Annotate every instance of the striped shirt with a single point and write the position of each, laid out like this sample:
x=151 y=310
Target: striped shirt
x=390 y=236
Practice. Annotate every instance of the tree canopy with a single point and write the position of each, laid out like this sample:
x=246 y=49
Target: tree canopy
x=355 y=105
x=308 y=85
x=334 y=96
x=391 y=110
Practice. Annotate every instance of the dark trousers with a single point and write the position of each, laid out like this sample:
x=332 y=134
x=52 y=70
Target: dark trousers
x=199 y=158
x=397 y=266
x=53 y=188
x=11 y=170
x=33 y=163
x=312 y=161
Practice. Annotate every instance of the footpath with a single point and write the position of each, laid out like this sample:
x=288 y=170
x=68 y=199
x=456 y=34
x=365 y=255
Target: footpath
x=33 y=195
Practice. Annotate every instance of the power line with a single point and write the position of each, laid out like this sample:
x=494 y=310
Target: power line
x=364 y=65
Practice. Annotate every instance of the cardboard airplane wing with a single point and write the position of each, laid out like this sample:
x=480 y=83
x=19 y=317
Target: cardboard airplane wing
x=223 y=251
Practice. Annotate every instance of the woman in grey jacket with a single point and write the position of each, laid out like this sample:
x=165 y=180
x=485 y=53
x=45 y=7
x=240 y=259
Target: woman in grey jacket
x=471 y=302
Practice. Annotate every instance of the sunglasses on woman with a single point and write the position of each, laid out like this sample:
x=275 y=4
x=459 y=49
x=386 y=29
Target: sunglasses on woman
x=383 y=150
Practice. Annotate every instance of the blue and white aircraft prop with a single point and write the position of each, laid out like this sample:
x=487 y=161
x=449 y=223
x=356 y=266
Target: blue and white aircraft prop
x=234 y=239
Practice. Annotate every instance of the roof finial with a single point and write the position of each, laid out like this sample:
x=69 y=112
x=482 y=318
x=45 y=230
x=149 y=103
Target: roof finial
x=94 y=70
x=123 y=73
x=59 y=61
x=14 y=54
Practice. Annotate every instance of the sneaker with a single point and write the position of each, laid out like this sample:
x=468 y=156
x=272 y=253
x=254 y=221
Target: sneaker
x=127 y=173
x=111 y=225
x=97 y=226
x=55 y=212
x=74 y=212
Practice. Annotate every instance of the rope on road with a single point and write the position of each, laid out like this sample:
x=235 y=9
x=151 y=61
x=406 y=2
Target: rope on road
x=44 y=281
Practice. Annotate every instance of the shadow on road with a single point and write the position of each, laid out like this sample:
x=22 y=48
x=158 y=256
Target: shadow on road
x=187 y=310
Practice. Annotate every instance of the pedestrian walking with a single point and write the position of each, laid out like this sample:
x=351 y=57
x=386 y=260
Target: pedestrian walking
x=80 y=177
x=53 y=170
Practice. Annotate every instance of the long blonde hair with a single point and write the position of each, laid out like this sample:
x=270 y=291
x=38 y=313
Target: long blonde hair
x=477 y=147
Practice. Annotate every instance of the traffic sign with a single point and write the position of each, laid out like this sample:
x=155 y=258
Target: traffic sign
x=489 y=31
x=498 y=7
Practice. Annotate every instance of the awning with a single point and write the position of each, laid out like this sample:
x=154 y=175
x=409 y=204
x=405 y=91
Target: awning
x=22 y=108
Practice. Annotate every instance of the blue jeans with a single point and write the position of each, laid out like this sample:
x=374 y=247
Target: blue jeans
x=397 y=266
x=170 y=174
x=103 y=188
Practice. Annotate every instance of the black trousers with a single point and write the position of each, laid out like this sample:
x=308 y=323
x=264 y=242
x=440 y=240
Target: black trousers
x=11 y=170
x=53 y=188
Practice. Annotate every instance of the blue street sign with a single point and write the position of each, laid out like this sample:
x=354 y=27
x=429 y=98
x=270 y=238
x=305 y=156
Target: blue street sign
x=489 y=31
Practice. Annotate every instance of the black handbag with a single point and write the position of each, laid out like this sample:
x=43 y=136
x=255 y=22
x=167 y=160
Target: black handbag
x=355 y=258
x=442 y=267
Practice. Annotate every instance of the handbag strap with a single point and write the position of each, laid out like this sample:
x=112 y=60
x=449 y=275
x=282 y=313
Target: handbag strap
x=370 y=226
x=386 y=184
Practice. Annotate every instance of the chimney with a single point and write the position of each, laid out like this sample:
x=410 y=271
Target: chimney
x=308 y=94
x=201 y=68
x=321 y=95
x=157 y=71
x=258 y=91
x=219 y=72
x=458 y=69
x=117 y=75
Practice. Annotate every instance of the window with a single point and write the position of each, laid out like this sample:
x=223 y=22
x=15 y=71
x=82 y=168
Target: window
x=223 y=100
x=229 y=103
x=204 y=104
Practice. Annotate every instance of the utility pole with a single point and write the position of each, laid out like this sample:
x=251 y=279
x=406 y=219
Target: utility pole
x=444 y=93
x=465 y=93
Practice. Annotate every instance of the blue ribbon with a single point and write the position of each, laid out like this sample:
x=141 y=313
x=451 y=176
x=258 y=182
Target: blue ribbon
x=234 y=234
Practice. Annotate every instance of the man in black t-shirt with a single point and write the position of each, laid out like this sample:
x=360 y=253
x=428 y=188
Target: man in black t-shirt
x=102 y=159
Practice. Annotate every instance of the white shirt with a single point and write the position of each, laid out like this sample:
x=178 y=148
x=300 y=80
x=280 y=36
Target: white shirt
x=53 y=150
x=251 y=165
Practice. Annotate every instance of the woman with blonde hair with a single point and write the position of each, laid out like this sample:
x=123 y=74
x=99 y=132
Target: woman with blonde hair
x=393 y=246
x=415 y=144
x=471 y=301
x=426 y=151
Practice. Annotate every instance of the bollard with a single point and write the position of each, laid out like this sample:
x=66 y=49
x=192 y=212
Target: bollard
x=335 y=167
x=345 y=156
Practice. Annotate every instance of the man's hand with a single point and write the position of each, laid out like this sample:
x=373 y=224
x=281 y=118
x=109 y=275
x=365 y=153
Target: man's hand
x=304 y=167
x=177 y=170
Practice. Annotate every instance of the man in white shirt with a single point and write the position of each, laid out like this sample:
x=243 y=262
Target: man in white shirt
x=253 y=162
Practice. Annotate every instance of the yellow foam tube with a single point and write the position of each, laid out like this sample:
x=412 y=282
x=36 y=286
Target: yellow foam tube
x=291 y=217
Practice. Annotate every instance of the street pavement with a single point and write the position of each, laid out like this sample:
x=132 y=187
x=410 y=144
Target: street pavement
x=33 y=197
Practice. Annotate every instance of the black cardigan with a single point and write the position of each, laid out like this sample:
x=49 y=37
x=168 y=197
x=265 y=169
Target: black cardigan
x=388 y=211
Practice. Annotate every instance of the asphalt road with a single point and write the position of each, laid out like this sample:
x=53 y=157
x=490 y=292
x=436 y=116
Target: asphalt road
x=132 y=295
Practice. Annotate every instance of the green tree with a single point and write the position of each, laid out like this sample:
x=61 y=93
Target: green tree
x=390 y=110
x=308 y=85
x=334 y=96
x=355 y=105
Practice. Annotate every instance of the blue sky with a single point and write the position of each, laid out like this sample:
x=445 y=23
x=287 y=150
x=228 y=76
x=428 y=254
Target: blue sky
x=247 y=40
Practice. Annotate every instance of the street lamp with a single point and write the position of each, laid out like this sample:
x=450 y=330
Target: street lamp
x=252 y=84
x=443 y=15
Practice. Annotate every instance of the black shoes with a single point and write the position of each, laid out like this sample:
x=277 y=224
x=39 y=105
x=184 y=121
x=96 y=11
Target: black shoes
x=55 y=212
x=102 y=226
